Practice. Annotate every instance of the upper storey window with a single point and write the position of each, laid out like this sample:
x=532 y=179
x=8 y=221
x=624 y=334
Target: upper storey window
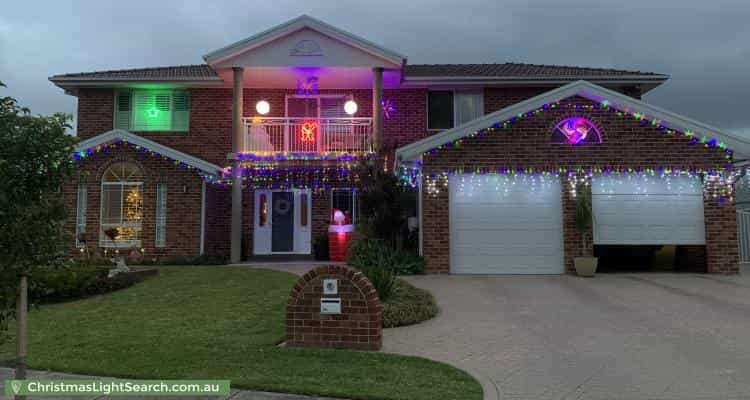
x=152 y=110
x=449 y=108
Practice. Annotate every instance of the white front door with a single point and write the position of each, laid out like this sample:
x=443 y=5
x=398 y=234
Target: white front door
x=505 y=225
x=282 y=222
x=631 y=209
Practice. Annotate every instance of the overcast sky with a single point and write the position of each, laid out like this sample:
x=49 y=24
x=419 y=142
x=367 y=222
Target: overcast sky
x=703 y=45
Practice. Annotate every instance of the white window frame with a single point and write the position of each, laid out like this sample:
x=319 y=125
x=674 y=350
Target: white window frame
x=355 y=202
x=160 y=225
x=81 y=204
x=105 y=241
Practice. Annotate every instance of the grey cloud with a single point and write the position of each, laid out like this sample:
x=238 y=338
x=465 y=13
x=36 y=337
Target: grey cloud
x=702 y=45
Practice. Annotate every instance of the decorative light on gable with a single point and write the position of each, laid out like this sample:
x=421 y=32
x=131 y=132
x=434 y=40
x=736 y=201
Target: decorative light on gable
x=576 y=130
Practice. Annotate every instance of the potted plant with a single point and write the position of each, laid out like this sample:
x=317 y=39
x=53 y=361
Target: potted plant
x=586 y=264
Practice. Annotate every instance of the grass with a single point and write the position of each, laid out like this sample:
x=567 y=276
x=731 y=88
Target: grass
x=220 y=323
x=408 y=305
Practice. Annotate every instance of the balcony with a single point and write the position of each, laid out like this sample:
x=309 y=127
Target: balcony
x=269 y=136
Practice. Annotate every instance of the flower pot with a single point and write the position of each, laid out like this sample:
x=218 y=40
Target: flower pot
x=585 y=266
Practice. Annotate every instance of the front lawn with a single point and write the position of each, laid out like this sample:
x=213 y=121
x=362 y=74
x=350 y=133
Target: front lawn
x=221 y=323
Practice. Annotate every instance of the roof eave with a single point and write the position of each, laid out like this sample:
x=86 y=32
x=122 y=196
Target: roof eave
x=649 y=81
x=589 y=90
x=123 y=135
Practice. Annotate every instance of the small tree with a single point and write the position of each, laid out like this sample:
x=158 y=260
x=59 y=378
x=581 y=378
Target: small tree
x=35 y=160
x=584 y=217
x=384 y=203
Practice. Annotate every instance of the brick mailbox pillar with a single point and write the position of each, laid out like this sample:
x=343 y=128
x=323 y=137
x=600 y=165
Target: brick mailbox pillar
x=337 y=307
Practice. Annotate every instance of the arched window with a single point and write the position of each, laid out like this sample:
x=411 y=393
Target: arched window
x=576 y=130
x=121 y=206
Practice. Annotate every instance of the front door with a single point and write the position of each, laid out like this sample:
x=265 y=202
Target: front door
x=282 y=222
x=282 y=228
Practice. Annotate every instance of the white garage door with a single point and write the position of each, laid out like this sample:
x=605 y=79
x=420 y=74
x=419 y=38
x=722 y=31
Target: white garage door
x=505 y=225
x=641 y=209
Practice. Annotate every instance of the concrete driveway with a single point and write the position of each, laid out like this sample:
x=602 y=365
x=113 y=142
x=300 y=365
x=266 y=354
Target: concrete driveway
x=624 y=336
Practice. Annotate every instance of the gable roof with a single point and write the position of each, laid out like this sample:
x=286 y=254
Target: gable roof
x=295 y=25
x=738 y=144
x=120 y=135
x=172 y=73
x=511 y=69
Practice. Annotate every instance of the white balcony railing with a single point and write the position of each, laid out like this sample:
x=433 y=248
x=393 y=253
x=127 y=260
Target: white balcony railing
x=307 y=135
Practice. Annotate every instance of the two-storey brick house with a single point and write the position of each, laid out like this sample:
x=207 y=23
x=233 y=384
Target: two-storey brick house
x=252 y=149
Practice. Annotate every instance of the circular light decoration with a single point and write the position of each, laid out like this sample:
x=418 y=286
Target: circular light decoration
x=262 y=107
x=576 y=130
x=350 y=107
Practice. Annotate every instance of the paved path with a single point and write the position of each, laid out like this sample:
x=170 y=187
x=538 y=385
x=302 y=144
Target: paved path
x=7 y=373
x=625 y=336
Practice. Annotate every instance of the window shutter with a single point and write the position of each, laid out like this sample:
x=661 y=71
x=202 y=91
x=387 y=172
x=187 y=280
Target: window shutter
x=152 y=110
x=81 y=213
x=122 y=109
x=180 y=110
x=161 y=215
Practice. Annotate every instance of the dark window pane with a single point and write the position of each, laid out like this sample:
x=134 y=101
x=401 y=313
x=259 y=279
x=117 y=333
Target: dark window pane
x=440 y=110
x=345 y=200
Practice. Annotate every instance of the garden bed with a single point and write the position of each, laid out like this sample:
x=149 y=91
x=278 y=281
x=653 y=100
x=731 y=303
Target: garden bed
x=408 y=305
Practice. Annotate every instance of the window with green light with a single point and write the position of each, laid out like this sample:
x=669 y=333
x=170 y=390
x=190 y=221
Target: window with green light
x=152 y=110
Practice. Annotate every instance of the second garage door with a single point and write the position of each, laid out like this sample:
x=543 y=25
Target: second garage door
x=647 y=210
x=505 y=225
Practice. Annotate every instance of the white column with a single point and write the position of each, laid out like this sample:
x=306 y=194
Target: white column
x=377 y=109
x=237 y=146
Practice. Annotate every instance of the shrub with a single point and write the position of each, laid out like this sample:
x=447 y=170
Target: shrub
x=408 y=263
x=74 y=281
x=408 y=305
x=210 y=260
x=382 y=278
x=320 y=247
x=365 y=251
x=68 y=282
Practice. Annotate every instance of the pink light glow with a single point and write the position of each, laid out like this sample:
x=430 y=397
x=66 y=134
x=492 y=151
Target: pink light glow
x=579 y=130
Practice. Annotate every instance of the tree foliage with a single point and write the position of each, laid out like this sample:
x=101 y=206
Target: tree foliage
x=385 y=204
x=34 y=163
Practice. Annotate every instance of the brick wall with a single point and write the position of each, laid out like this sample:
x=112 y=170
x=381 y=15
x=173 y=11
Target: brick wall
x=210 y=133
x=183 y=201
x=526 y=144
x=359 y=326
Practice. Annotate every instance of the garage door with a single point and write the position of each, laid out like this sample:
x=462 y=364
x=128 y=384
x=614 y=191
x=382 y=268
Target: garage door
x=640 y=209
x=505 y=225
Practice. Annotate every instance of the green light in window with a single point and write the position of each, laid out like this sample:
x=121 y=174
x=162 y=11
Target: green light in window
x=152 y=112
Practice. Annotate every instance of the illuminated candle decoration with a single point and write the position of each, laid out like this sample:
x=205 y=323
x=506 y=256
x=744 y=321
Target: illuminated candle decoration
x=576 y=130
x=262 y=107
x=350 y=107
x=308 y=130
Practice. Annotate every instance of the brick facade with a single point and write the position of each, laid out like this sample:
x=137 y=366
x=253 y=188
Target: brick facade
x=183 y=202
x=359 y=325
x=625 y=143
x=526 y=144
x=210 y=129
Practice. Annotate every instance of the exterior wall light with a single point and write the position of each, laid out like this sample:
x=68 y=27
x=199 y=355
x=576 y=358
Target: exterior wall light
x=262 y=107
x=350 y=107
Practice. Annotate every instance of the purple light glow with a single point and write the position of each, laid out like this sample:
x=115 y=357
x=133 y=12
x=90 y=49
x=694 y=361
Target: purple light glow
x=577 y=130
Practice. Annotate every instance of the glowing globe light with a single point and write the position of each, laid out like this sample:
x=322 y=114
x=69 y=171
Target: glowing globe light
x=262 y=107
x=350 y=107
